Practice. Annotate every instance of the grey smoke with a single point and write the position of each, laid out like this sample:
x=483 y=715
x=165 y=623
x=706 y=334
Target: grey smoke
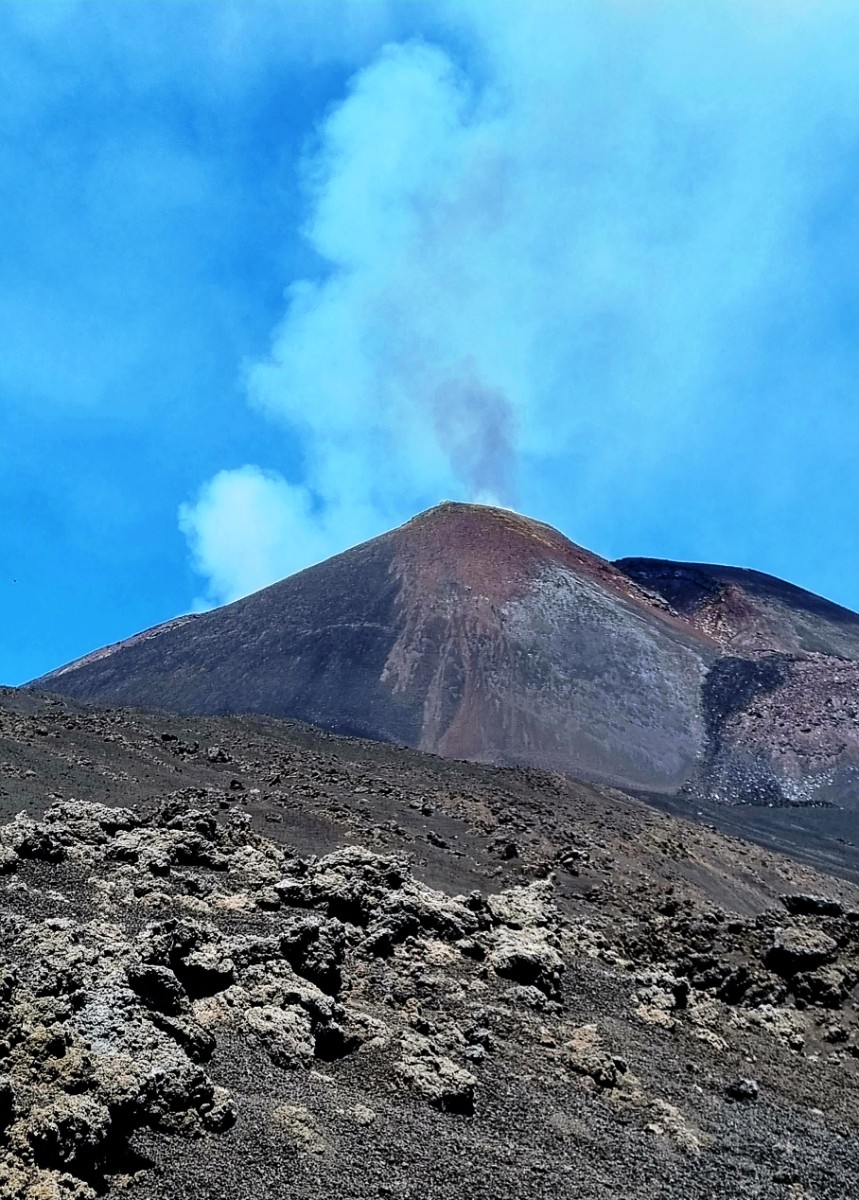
x=474 y=426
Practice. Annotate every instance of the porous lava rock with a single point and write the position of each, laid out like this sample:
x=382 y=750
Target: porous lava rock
x=108 y=1021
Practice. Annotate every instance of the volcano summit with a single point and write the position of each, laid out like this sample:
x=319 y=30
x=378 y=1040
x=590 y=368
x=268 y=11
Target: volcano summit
x=475 y=633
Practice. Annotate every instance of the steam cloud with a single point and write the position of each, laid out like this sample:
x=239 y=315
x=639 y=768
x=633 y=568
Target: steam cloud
x=560 y=244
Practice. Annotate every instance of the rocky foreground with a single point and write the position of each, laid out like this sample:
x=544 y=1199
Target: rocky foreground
x=291 y=966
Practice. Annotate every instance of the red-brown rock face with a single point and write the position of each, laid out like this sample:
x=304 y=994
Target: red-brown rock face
x=516 y=646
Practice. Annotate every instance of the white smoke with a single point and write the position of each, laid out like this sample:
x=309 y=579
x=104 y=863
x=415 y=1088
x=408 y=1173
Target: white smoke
x=546 y=257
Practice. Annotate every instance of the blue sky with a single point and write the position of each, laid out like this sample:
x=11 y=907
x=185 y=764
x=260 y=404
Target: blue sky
x=275 y=276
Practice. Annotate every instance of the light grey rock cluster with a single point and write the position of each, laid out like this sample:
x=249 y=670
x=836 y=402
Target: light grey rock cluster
x=181 y=927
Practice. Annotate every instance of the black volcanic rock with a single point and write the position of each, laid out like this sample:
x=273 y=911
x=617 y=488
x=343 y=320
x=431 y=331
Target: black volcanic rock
x=475 y=633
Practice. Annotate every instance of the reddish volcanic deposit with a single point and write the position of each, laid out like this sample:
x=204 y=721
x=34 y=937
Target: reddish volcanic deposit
x=477 y=633
x=498 y=553
x=518 y=646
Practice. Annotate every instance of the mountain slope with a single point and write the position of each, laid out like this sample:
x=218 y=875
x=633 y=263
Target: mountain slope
x=475 y=633
x=469 y=632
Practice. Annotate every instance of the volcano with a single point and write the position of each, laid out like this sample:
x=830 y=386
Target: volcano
x=475 y=633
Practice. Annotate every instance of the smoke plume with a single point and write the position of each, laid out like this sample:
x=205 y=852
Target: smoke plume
x=552 y=243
